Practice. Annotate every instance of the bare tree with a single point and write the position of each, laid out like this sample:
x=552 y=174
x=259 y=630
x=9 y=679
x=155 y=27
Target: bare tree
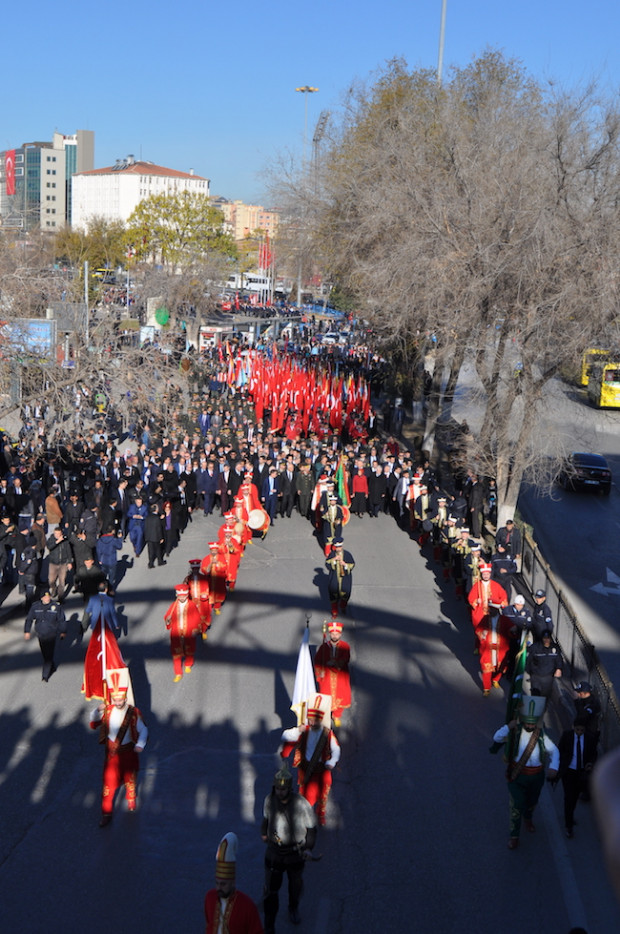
x=482 y=215
x=63 y=363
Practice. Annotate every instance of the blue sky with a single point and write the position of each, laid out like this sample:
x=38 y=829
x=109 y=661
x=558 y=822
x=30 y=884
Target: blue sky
x=211 y=86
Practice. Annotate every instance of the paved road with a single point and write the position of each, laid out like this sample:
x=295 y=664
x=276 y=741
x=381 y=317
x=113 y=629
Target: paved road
x=578 y=533
x=417 y=825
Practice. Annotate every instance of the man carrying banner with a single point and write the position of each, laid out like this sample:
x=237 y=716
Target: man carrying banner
x=124 y=734
x=103 y=652
x=332 y=669
x=316 y=753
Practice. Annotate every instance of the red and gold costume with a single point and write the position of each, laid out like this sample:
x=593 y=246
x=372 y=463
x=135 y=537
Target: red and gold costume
x=331 y=665
x=250 y=496
x=244 y=532
x=483 y=594
x=231 y=523
x=124 y=733
x=232 y=551
x=251 y=499
x=316 y=753
x=182 y=618
x=228 y=911
x=494 y=642
x=240 y=915
x=214 y=567
x=198 y=585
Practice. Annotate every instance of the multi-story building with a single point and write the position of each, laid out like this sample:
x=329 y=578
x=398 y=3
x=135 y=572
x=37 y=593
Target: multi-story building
x=35 y=180
x=114 y=192
x=245 y=219
x=79 y=157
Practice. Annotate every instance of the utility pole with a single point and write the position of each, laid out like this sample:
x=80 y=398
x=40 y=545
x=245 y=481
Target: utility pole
x=305 y=90
x=442 y=35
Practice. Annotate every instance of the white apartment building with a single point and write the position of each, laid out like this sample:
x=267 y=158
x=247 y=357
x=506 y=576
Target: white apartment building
x=114 y=192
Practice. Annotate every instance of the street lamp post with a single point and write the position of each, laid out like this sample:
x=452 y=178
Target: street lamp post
x=305 y=90
x=442 y=36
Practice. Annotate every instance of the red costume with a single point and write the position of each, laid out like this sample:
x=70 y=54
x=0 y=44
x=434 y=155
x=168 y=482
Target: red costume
x=123 y=732
x=331 y=665
x=250 y=496
x=482 y=594
x=316 y=753
x=214 y=567
x=494 y=641
x=243 y=530
x=198 y=585
x=235 y=527
x=232 y=551
x=183 y=620
x=240 y=914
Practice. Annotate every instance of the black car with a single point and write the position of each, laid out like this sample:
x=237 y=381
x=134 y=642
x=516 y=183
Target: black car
x=583 y=471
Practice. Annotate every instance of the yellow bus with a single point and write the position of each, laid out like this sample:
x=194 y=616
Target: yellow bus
x=590 y=357
x=604 y=385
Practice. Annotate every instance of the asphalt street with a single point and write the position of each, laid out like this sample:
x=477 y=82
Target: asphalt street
x=578 y=533
x=418 y=818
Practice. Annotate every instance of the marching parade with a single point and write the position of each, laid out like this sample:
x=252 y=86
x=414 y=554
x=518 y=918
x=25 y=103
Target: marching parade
x=277 y=437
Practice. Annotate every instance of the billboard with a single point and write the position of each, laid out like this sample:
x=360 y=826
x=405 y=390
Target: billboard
x=35 y=337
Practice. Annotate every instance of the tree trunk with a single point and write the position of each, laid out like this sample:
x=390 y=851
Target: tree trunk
x=432 y=413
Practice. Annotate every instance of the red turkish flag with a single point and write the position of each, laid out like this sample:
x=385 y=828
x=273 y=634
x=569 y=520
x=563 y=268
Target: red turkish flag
x=102 y=654
x=9 y=169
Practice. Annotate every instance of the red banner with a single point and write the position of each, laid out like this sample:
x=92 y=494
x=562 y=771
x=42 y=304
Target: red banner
x=9 y=168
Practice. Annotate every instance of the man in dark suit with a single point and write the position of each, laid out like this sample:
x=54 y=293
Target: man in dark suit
x=475 y=502
x=261 y=472
x=577 y=757
x=206 y=484
x=269 y=493
x=235 y=479
x=222 y=485
x=288 y=488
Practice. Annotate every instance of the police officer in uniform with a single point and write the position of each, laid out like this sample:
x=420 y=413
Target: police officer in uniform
x=49 y=623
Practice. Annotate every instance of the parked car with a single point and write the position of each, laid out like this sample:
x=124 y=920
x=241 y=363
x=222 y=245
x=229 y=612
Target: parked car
x=331 y=337
x=582 y=471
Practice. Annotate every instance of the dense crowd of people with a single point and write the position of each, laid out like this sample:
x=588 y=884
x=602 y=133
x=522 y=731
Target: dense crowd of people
x=264 y=436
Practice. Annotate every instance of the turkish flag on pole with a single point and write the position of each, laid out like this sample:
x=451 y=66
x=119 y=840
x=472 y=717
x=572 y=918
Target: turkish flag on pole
x=102 y=655
x=9 y=169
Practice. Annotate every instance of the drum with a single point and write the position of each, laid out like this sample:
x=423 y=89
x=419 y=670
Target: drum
x=256 y=519
x=346 y=514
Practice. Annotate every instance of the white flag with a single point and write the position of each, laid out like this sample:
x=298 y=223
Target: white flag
x=305 y=683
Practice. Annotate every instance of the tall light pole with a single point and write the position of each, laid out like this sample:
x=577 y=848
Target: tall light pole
x=305 y=90
x=442 y=35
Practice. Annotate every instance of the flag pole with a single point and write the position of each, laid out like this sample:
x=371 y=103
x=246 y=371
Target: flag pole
x=103 y=659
